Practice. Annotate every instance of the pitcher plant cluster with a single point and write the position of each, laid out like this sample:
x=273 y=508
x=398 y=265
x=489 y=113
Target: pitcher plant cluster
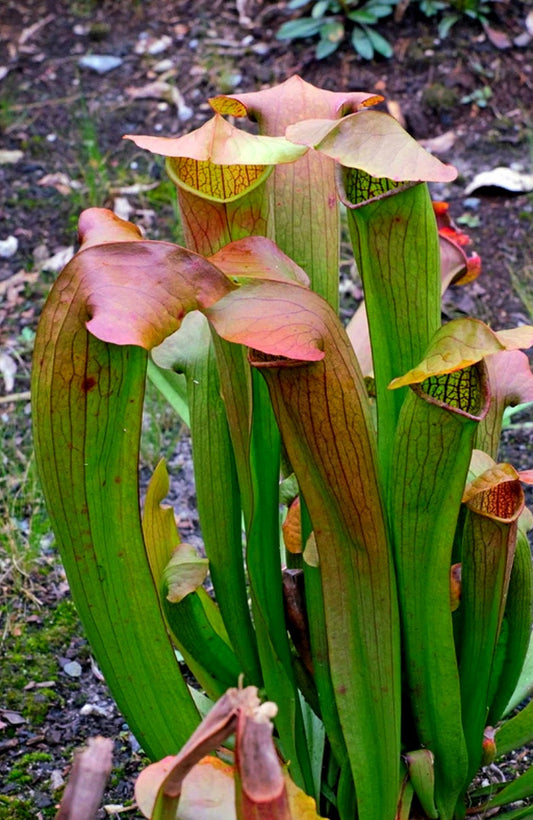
x=388 y=618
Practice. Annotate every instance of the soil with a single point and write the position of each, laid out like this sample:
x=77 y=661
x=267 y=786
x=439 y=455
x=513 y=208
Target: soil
x=67 y=121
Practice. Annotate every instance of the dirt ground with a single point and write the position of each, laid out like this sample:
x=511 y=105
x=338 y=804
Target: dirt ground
x=66 y=121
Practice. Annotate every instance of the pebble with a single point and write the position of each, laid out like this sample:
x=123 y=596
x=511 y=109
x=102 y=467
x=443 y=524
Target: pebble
x=152 y=45
x=101 y=63
x=72 y=669
x=94 y=710
x=163 y=65
x=134 y=743
x=57 y=781
x=472 y=202
x=8 y=247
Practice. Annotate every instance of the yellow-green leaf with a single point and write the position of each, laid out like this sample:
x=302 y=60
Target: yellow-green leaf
x=456 y=345
x=184 y=573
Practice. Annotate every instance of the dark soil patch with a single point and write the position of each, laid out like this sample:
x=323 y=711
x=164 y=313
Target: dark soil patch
x=66 y=119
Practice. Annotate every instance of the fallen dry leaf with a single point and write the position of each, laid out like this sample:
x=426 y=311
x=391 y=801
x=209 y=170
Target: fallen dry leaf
x=158 y=90
x=499 y=39
x=20 y=278
x=395 y=110
x=61 y=182
x=441 y=144
x=161 y=90
x=10 y=157
x=508 y=179
x=31 y=31
x=58 y=261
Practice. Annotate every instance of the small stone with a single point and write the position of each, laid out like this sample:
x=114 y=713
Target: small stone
x=93 y=710
x=8 y=247
x=122 y=207
x=57 y=781
x=12 y=717
x=163 y=65
x=472 y=203
x=152 y=45
x=134 y=743
x=42 y=800
x=523 y=40
x=101 y=63
x=72 y=669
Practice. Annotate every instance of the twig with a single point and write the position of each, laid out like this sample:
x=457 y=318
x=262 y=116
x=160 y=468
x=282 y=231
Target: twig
x=26 y=396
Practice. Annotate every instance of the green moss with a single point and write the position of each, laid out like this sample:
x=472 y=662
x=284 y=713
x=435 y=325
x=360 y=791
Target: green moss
x=439 y=97
x=31 y=655
x=21 y=771
x=116 y=777
x=11 y=808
